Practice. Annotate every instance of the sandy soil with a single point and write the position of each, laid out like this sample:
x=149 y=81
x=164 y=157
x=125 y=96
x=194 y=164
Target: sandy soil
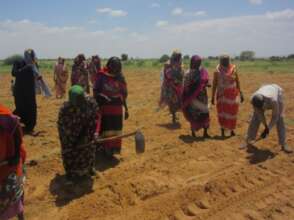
x=178 y=177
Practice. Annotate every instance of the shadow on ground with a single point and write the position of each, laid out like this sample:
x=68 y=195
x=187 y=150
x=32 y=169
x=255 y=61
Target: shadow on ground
x=104 y=163
x=170 y=126
x=66 y=193
x=220 y=138
x=188 y=139
x=258 y=155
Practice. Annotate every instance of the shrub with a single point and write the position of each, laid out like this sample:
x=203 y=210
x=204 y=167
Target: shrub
x=140 y=63
x=186 y=57
x=11 y=59
x=247 y=55
x=164 y=58
x=124 y=57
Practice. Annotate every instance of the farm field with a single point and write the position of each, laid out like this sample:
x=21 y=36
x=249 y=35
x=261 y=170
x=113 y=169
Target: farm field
x=178 y=177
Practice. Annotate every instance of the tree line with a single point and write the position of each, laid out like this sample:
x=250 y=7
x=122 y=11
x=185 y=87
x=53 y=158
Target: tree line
x=247 y=55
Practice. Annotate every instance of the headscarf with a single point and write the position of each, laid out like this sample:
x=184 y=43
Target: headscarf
x=225 y=61
x=60 y=60
x=114 y=66
x=4 y=110
x=79 y=59
x=76 y=95
x=195 y=62
x=30 y=56
x=176 y=57
x=97 y=61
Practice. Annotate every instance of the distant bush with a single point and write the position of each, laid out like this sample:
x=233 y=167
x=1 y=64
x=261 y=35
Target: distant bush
x=186 y=57
x=11 y=59
x=129 y=62
x=206 y=64
x=275 y=58
x=164 y=58
x=291 y=56
x=155 y=63
x=212 y=58
x=124 y=57
x=247 y=55
x=140 y=63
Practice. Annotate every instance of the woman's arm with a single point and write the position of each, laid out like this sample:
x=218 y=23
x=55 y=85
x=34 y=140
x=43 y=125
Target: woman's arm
x=126 y=109
x=239 y=87
x=55 y=74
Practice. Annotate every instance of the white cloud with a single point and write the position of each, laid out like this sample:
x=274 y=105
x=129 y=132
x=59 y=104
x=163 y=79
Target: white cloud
x=256 y=2
x=285 y=14
x=267 y=34
x=155 y=5
x=118 y=13
x=112 y=12
x=103 y=10
x=200 y=13
x=177 y=11
x=161 y=23
x=181 y=12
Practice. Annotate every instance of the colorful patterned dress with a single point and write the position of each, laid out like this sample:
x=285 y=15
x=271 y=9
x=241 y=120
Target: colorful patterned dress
x=172 y=87
x=12 y=175
x=195 y=99
x=76 y=127
x=226 y=97
x=93 y=71
x=115 y=88
x=60 y=76
x=80 y=76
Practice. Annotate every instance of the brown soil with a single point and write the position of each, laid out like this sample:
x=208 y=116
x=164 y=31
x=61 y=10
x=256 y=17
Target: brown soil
x=178 y=177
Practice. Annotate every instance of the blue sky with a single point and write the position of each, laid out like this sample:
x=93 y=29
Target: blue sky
x=146 y=28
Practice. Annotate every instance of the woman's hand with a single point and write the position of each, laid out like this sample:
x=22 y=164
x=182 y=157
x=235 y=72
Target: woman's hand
x=241 y=97
x=126 y=115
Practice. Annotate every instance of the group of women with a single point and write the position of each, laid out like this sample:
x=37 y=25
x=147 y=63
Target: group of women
x=187 y=92
x=82 y=74
x=83 y=118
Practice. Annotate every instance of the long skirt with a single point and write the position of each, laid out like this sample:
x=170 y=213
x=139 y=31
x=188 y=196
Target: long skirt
x=112 y=124
x=26 y=109
x=60 y=88
x=78 y=161
x=171 y=97
x=13 y=210
x=227 y=108
x=197 y=112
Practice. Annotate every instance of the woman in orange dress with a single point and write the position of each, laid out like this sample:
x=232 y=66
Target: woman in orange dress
x=226 y=88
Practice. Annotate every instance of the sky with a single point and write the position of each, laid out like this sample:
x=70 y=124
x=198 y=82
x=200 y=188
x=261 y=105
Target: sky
x=146 y=28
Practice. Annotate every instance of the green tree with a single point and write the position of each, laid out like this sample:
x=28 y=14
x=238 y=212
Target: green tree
x=247 y=55
x=124 y=57
x=164 y=58
x=186 y=57
x=11 y=59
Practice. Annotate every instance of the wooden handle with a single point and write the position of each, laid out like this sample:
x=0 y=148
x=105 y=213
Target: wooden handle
x=101 y=140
